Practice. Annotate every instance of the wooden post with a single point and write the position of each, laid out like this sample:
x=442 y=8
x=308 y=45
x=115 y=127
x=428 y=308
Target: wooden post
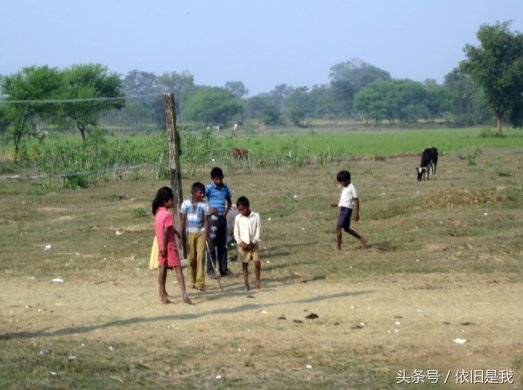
x=173 y=138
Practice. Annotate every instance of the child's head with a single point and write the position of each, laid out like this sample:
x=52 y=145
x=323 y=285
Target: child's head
x=164 y=198
x=217 y=176
x=243 y=206
x=343 y=177
x=198 y=190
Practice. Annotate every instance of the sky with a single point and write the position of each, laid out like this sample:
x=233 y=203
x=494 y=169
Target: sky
x=261 y=43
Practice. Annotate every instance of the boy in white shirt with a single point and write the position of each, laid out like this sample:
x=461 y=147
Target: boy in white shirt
x=247 y=235
x=348 y=204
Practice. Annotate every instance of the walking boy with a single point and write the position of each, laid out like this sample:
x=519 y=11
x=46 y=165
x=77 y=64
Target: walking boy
x=194 y=214
x=247 y=235
x=220 y=203
x=348 y=204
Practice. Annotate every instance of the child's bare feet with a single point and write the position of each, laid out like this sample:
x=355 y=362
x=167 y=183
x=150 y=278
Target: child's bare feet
x=187 y=300
x=165 y=300
x=258 y=284
x=363 y=242
x=247 y=287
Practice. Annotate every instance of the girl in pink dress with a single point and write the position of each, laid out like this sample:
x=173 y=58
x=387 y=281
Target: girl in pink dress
x=165 y=235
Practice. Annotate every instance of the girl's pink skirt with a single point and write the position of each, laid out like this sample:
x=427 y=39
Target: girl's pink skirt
x=172 y=259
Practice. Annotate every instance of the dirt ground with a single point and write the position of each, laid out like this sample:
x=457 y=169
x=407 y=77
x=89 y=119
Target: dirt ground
x=420 y=322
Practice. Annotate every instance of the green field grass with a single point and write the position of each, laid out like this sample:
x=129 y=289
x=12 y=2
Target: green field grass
x=376 y=143
x=272 y=149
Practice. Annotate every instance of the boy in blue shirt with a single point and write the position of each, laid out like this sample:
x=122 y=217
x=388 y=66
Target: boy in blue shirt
x=194 y=214
x=219 y=197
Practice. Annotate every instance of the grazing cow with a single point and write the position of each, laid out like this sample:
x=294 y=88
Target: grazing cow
x=429 y=162
x=239 y=154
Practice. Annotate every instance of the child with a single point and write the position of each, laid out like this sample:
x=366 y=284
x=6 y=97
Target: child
x=165 y=235
x=220 y=203
x=247 y=235
x=348 y=204
x=194 y=221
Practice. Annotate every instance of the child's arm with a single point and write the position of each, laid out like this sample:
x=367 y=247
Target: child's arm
x=257 y=231
x=183 y=227
x=229 y=205
x=163 y=250
x=356 y=209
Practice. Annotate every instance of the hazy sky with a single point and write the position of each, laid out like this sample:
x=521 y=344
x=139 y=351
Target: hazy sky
x=259 y=42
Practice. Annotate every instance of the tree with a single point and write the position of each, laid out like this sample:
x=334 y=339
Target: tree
x=236 y=88
x=467 y=100
x=141 y=85
x=181 y=85
x=349 y=77
x=323 y=101
x=397 y=99
x=438 y=99
x=299 y=105
x=257 y=105
x=31 y=85
x=497 y=66
x=377 y=102
x=279 y=95
x=409 y=99
x=90 y=85
x=359 y=73
x=271 y=116
x=212 y=106
x=138 y=83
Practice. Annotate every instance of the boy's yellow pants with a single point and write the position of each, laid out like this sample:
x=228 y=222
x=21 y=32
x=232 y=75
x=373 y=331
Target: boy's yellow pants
x=196 y=247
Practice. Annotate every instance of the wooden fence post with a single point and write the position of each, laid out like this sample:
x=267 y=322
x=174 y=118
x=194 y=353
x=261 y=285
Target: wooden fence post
x=173 y=139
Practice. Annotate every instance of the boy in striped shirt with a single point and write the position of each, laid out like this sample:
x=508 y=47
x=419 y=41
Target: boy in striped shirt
x=194 y=212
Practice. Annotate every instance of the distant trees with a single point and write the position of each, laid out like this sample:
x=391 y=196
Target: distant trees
x=32 y=88
x=350 y=77
x=181 y=85
x=438 y=102
x=490 y=78
x=30 y=84
x=497 y=66
x=467 y=104
x=212 y=106
x=236 y=88
x=403 y=100
x=137 y=83
x=85 y=83
x=299 y=105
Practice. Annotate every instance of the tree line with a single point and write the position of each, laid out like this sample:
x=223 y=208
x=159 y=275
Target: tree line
x=487 y=85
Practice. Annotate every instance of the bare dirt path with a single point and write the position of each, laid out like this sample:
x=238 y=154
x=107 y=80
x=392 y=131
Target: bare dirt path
x=422 y=322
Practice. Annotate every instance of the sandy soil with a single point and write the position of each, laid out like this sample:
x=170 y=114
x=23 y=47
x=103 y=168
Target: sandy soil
x=414 y=320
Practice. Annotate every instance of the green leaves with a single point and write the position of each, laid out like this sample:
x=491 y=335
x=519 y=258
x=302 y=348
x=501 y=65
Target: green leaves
x=497 y=66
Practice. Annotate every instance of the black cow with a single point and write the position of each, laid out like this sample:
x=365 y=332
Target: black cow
x=429 y=161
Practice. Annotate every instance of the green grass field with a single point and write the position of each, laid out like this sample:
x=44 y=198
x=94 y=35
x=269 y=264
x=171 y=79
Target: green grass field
x=443 y=263
x=318 y=146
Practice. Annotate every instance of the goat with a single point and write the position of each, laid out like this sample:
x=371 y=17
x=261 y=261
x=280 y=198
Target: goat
x=239 y=154
x=429 y=162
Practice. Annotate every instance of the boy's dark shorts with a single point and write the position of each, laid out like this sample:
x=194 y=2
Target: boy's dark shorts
x=344 y=218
